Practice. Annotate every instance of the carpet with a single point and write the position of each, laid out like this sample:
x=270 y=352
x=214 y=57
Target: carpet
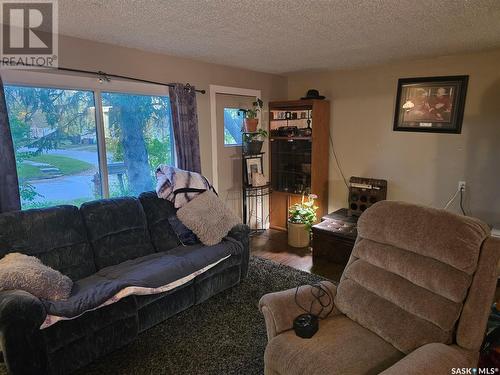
x=224 y=335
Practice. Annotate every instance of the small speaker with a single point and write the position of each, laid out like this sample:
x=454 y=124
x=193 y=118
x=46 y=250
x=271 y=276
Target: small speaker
x=364 y=192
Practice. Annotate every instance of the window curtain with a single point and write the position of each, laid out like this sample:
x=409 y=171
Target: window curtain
x=185 y=127
x=9 y=186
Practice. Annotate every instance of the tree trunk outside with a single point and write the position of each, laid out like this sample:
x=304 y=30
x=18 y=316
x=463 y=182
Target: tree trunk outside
x=135 y=154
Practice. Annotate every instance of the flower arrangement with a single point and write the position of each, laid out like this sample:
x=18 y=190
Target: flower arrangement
x=304 y=212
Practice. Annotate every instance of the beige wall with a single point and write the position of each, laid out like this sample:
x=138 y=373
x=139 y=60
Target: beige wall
x=83 y=54
x=420 y=167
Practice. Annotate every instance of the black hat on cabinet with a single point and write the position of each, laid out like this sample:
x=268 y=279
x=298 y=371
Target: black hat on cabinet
x=313 y=94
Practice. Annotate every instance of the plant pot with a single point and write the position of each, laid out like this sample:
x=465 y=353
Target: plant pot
x=251 y=124
x=298 y=235
x=252 y=147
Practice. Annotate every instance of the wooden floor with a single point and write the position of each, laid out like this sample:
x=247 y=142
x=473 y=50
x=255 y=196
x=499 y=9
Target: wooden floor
x=273 y=245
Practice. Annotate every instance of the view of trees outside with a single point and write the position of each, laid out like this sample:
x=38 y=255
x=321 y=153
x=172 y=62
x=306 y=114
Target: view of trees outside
x=54 y=134
x=233 y=123
x=55 y=141
x=138 y=138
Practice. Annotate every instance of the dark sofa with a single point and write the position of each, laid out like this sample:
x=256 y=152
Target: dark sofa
x=78 y=243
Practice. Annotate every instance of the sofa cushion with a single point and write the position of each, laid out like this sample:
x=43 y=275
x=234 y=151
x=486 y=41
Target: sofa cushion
x=117 y=230
x=184 y=234
x=151 y=274
x=55 y=235
x=158 y=211
x=69 y=331
x=409 y=272
x=340 y=346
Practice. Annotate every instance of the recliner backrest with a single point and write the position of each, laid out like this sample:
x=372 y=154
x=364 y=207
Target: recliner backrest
x=410 y=272
x=55 y=235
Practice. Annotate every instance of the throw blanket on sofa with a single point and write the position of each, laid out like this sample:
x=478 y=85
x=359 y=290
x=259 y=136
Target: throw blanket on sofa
x=179 y=186
x=151 y=274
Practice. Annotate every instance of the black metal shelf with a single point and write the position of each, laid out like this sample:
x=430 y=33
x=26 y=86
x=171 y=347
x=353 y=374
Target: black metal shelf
x=256 y=193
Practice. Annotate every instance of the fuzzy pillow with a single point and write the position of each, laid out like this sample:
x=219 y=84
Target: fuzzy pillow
x=20 y=271
x=208 y=217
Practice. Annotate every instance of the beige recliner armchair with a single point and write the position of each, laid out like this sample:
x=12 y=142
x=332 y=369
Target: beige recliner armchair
x=414 y=298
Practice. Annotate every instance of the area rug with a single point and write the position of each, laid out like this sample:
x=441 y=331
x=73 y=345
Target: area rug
x=224 y=335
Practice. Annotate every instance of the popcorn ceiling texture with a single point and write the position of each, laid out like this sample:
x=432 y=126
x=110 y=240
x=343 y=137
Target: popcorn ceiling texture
x=280 y=36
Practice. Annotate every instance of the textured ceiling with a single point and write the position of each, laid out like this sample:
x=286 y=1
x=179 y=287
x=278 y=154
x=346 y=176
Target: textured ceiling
x=280 y=36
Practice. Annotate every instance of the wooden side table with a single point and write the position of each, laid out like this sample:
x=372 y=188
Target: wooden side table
x=334 y=237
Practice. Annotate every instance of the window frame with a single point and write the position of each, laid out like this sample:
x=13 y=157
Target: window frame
x=71 y=81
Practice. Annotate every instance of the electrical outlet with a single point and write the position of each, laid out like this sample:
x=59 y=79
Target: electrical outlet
x=461 y=185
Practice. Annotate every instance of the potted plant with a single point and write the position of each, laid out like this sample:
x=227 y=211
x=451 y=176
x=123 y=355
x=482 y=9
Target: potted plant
x=301 y=217
x=252 y=142
x=250 y=120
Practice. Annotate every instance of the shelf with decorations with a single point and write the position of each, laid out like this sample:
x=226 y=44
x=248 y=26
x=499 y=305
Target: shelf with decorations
x=299 y=136
x=255 y=186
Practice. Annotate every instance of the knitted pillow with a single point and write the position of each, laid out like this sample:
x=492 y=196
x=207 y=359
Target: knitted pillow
x=19 y=271
x=208 y=217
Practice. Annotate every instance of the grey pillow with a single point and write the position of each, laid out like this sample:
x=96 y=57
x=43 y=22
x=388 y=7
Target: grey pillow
x=20 y=271
x=208 y=217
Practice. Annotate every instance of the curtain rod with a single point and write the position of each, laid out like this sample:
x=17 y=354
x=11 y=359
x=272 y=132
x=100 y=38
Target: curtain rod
x=105 y=76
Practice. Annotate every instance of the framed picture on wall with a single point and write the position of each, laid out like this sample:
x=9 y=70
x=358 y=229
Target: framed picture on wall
x=430 y=104
x=252 y=165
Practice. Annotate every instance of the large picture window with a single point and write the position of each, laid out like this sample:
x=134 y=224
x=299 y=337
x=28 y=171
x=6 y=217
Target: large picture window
x=76 y=145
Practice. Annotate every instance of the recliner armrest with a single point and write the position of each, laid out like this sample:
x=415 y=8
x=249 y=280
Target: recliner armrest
x=435 y=358
x=21 y=315
x=280 y=309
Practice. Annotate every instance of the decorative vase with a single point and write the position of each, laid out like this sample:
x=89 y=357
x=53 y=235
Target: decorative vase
x=251 y=124
x=298 y=235
x=252 y=147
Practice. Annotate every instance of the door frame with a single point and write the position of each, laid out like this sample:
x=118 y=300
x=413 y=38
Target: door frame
x=214 y=90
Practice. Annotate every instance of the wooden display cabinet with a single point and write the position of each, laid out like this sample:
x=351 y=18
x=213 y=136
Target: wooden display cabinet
x=299 y=147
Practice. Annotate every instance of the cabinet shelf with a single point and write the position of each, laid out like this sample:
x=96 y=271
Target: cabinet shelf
x=290 y=119
x=290 y=139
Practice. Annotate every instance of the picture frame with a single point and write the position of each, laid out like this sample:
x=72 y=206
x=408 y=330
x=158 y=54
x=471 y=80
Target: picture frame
x=252 y=165
x=430 y=104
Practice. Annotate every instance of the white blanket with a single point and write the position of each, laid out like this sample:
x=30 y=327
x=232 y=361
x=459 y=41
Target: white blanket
x=179 y=186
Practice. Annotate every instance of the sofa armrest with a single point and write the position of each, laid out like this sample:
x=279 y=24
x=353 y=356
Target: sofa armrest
x=435 y=358
x=241 y=233
x=280 y=310
x=21 y=315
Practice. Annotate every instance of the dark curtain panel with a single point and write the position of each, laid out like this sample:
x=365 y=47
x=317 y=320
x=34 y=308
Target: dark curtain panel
x=9 y=186
x=185 y=126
